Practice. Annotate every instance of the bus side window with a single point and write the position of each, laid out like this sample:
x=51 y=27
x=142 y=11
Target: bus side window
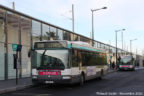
x=132 y=59
x=79 y=58
x=74 y=58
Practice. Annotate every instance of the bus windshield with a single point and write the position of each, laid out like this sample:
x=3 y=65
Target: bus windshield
x=126 y=59
x=51 y=59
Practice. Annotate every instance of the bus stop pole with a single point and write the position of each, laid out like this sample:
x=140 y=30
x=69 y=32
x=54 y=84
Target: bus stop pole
x=17 y=68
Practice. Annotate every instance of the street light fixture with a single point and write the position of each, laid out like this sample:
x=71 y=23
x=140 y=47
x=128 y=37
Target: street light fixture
x=116 y=31
x=72 y=18
x=131 y=44
x=93 y=10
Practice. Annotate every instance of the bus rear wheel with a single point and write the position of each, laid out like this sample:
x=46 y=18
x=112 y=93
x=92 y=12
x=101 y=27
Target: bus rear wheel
x=101 y=75
x=82 y=79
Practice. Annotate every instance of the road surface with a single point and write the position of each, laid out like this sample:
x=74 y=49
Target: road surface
x=120 y=83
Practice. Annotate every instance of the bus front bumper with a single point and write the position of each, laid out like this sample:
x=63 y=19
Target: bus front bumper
x=49 y=79
x=126 y=68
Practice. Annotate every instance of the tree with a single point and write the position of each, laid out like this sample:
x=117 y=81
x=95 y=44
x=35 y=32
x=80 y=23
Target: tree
x=51 y=36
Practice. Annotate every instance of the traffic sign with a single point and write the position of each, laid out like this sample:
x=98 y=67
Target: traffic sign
x=19 y=47
x=16 y=47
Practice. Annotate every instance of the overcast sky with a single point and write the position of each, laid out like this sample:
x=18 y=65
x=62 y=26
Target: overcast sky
x=127 y=14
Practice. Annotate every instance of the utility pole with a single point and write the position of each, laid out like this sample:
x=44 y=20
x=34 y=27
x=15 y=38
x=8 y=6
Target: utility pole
x=116 y=46
x=131 y=45
x=13 y=5
x=72 y=17
x=136 y=51
x=122 y=39
x=92 y=29
x=116 y=42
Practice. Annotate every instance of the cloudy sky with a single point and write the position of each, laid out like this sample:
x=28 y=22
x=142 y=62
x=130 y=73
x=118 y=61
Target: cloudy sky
x=121 y=14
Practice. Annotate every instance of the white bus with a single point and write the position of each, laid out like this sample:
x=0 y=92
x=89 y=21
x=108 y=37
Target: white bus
x=127 y=63
x=67 y=62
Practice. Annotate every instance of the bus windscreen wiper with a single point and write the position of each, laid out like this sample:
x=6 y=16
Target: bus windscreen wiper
x=42 y=58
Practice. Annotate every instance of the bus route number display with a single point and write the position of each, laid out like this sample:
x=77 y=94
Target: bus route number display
x=48 y=45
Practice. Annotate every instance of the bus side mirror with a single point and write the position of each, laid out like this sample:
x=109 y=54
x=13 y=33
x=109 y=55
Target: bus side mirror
x=30 y=52
x=119 y=59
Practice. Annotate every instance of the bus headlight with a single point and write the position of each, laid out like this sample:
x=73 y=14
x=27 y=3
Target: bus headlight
x=130 y=66
x=34 y=77
x=66 y=77
x=34 y=72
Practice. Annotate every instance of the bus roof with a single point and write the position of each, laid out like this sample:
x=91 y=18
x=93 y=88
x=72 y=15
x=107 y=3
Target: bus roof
x=76 y=44
x=85 y=46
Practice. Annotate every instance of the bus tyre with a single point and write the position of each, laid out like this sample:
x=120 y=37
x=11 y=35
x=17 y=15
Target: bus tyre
x=133 y=69
x=35 y=83
x=82 y=79
x=101 y=75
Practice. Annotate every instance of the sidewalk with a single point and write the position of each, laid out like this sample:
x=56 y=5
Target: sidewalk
x=139 y=68
x=10 y=85
x=111 y=70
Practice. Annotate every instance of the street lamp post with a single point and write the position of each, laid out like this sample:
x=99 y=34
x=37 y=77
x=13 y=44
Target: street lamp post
x=72 y=18
x=131 y=44
x=122 y=39
x=13 y=5
x=93 y=10
x=116 y=41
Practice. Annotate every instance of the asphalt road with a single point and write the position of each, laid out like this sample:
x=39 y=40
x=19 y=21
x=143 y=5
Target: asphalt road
x=120 y=83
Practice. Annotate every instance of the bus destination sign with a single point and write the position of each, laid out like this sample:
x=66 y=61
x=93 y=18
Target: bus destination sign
x=41 y=45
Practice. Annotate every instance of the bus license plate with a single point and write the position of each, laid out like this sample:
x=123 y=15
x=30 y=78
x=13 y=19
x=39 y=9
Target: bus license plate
x=49 y=82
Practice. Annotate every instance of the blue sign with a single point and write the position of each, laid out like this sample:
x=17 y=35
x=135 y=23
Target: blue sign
x=110 y=57
x=19 y=47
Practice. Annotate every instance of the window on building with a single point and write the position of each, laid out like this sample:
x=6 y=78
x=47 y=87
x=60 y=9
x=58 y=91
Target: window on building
x=71 y=36
x=60 y=34
x=66 y=35
x=2 y=40
x=84 y=39
x=45 y=32
x=53 y=33
x=95 y=44
x=36 y=31
x=75 y=37
x=26 y=46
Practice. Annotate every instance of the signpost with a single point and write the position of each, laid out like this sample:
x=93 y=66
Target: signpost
x=17 y=48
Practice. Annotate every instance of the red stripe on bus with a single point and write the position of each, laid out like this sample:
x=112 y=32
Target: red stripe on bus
x=125 y=66
x=49 y=73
